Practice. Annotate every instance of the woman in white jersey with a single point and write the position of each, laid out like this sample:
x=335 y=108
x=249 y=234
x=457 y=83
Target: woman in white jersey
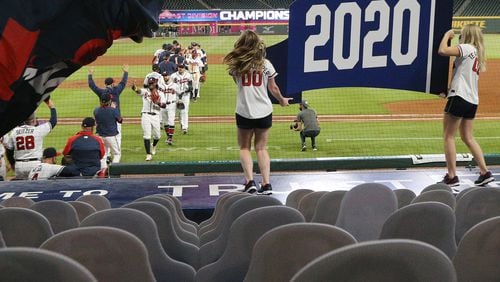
x=254 y=75
x=463 y=99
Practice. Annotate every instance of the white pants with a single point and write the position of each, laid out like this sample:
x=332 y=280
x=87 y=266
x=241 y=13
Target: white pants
x=23 y=168
x=168 y=114
x=151 y=125
x=196 y=83
x=184 y=114
x=119 y=138
x=111 y=145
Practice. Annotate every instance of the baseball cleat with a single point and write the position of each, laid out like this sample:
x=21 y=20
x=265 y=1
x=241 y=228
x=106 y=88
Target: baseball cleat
x=153 y=150
x=149 y=157
x=184 y=131
x=170 y=141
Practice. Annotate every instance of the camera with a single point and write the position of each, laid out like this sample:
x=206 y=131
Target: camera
x=294 y=126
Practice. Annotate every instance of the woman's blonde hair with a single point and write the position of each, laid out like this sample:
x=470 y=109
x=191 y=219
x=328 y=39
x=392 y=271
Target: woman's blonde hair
x=249 y=53
x=471 y=34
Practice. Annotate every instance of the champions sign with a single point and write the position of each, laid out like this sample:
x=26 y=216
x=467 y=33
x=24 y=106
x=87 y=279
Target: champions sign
x=382 y=44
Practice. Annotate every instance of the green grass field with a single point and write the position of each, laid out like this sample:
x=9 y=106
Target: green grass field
x=217 y=141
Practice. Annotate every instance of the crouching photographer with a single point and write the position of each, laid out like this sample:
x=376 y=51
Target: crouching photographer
x=307 y=124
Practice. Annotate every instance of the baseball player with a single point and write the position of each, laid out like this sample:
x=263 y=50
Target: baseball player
x=194 y=67
x=156 y=75
x=168 y=114
x=185 y=82
x=113 y=90
x=157 y=53
x=107 y=119
x=48 y=168
x=153 y=99
x=26 y=142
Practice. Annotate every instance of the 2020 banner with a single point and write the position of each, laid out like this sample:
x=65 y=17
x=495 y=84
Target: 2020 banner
x=382 y=44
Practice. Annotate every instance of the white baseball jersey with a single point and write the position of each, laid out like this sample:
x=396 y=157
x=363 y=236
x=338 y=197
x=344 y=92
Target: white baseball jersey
x=194 y=64
x=161 y=81
x=157 y=55
x=147 y=104
x=168 y=114
x=183 y=81
x=44 y=171
x=464 y=82
x=252 y=101
x=27 y=141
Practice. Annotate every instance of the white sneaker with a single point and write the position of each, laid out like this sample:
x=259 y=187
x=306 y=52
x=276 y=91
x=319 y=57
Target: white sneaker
x=149 y=157
x=153 y=150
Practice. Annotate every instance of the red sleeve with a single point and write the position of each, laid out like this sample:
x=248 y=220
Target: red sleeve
x=69 y=144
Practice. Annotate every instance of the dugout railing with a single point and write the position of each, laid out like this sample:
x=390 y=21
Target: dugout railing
x=289 y=165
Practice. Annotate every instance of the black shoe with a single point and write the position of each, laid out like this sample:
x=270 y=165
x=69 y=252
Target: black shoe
x=452 y=182
x=250 y=187
x=484 y=179
x=303 y=148
x=265 y=190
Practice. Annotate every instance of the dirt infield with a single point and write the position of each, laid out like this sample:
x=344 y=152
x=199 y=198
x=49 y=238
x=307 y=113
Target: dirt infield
x=489 y=86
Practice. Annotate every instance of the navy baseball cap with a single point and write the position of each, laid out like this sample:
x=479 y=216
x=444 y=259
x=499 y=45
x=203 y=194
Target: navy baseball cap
x=88 y=122
x=106 y=97
x=108 y=81
x=50 y=152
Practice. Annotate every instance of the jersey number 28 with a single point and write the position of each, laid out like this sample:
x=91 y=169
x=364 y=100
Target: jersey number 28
x=25 y=142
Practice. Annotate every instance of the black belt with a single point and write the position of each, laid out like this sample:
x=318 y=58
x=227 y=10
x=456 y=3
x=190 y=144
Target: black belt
x=28 y=160
x=152 y=114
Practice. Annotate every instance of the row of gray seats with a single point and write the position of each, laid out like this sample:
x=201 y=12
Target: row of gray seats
x=238 y=223
x=367 y=207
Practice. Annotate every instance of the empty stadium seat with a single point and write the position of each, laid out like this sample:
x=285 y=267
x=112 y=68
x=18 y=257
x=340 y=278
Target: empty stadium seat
x=61 y=215
x=110 y=254
x=172 y=244
x=284 y=250
x=141 y=225
x=307 y=205
x=365 y=208
x=22 y=227
x=35 y=265
x=429 y=222
x=244 y=232
x=328 y=207
x=211 y=251
x=380 y=261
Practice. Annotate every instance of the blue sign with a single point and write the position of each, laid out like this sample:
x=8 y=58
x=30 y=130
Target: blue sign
x=382 y=44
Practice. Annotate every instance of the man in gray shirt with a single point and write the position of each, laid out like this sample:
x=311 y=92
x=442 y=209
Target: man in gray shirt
x=308 y=125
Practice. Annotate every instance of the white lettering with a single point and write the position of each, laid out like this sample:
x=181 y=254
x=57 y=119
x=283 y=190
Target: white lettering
x=177 y=189
x=215 y=189
x=235 y=15
x=96 y=192
x=7 y=195
x=30 y=195
x=69 y=193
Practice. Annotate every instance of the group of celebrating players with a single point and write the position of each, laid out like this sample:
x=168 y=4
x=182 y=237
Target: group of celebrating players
x=168 y=89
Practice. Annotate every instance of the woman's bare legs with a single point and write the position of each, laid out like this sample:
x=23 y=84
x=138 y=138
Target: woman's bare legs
x=245 y=143
x=450 y=127
x=466 y=130
x=261 y=136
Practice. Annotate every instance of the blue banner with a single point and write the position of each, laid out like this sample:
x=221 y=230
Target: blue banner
x=382 y=44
